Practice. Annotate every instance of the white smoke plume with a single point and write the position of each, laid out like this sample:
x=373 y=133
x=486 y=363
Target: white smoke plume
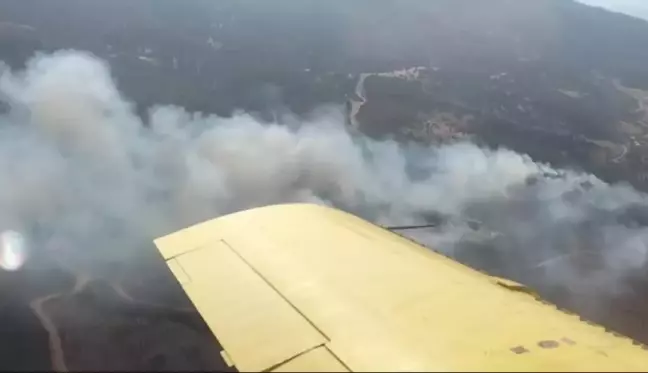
x=84 y=176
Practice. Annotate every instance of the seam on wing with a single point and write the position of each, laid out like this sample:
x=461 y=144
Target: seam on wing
x=273 y=367
x=182 y=277
x=338 y=359
x=199 y=247
x=276 y=290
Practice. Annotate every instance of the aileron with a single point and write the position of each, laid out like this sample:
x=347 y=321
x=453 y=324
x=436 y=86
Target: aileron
x=255 y=325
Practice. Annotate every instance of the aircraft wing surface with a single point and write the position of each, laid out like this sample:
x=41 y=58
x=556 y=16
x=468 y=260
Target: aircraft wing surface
x=303 y=287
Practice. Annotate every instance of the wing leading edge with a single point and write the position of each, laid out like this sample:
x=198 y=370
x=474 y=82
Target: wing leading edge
x=303 y=287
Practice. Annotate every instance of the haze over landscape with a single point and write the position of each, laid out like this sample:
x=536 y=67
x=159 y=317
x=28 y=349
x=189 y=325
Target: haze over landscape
x=635 y=8
x=520 y=129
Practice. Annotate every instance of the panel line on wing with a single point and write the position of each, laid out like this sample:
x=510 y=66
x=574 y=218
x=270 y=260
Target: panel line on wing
x=277 y=290
x=232 y=297
x=337 y=358
x=270 y=369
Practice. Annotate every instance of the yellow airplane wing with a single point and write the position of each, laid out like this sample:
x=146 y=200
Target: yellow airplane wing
x=303 y=287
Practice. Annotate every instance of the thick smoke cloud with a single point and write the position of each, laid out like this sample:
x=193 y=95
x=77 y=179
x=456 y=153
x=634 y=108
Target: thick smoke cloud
x=83 y=176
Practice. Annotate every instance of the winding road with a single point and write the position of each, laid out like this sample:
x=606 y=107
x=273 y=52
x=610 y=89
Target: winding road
x=357 y=105
x=39 y=306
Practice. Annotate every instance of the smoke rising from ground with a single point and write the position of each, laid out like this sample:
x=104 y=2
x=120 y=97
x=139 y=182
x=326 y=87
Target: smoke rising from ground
x=83 y=176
